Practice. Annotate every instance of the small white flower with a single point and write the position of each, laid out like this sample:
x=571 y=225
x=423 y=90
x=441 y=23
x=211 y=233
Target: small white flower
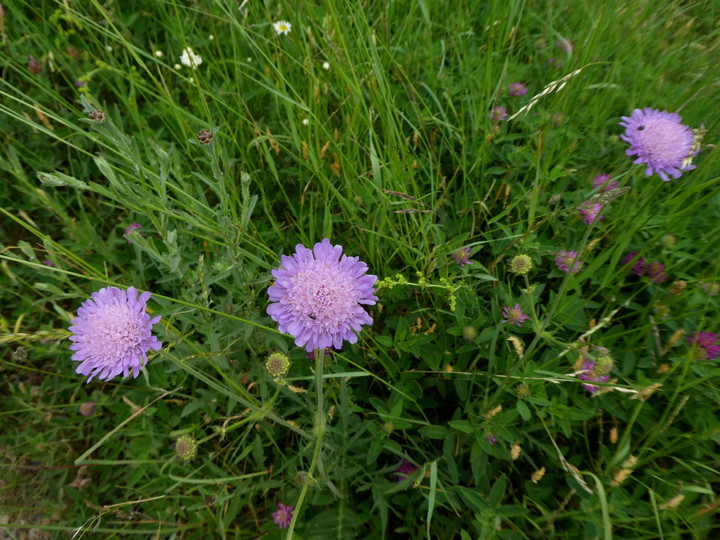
x=190 y=59
x=158 y=54
x=211 y=37
x=326 y=65
x=177 y=66
x=282 y=27
x=305 y=121
x=191 y=80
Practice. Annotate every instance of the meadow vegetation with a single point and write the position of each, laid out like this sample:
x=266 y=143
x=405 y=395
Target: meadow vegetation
x=542 y=357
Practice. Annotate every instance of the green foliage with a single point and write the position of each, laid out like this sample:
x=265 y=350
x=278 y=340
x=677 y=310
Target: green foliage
x=366 y=124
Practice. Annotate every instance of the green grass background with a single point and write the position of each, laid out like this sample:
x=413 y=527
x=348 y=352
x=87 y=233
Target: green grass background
x=301 y=153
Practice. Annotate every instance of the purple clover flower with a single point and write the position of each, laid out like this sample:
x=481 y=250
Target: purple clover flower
x=638 y=267
x=604 y=182
x=588 y=366
x=590 y=211
x=659 y=140
x=461 y=256
x=517 y=89
x=490 y=438
x=656 y=272
x=111 y=334
x=707 y=344
x=404 y=470
x=568 y=261
x=87 y=408
x=283 y=516
x=318 y=294
x=514 y=315
x=497 y=114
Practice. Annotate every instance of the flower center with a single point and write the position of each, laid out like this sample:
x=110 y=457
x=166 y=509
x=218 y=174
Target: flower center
x=115 y=332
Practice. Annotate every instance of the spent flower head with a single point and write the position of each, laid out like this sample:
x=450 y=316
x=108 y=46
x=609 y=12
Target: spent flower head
x=111 y=334
x=660 y=141
x=568 y=261
x=517 y=89
x=521 y=264
x=282 y=27
x=283 y=516
x=514 y=315
x=277 y=365
x=707 y=344
x=656 y=272
x=189 y=59
x=469 y=333
x=318 y=294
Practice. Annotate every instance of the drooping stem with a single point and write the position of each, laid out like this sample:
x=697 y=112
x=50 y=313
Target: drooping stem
x=319 y=432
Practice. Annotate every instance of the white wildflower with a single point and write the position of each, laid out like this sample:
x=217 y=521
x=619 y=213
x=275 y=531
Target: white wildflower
x=190 y=59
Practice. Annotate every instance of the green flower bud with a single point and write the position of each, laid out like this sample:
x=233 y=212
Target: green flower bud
x=277 y=365
x=186 y=448
x=521 y=264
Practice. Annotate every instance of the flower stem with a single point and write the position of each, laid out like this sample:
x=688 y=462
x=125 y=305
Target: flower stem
x=319 y=432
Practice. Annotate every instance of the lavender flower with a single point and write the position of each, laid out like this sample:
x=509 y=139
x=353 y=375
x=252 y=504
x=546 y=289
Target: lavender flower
x=317 y=296
x=517 y=89
x=707 y=344
x=497 y=114
x=404 y=470
x=659 y=140
x=491 y=438
x=111 y=334
x=591 y=374
x=590 y=211
x=461 y=256
x=514 y=315
x=283 y=516
x=604 y=182
x=638 y=267
x=568 y=261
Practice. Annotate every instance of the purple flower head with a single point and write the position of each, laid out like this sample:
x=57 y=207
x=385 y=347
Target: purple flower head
x=133 y=228
x=656 y=272
x=638 y=267
x=517 y=89
x=111 y=334
x=707 y=344
x=461 y=256
x=497 y=114
x=318 y=294
x=565 y=45
x=48 y=262
x=404 y=470
x=712 y=288
x=659 y=140
x=79 y=83
x=87 y=408
x=590 y=211
x=604 y=182
x=590 y=374
x=283 y=516
x=514 y=315
x=568 y=261
x=490 y=438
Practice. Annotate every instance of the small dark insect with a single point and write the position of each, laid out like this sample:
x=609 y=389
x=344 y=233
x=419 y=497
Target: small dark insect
x=313 y=317
x=640 y=128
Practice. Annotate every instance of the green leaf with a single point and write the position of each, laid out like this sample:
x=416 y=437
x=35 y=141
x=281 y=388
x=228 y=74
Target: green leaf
x=462 y=425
